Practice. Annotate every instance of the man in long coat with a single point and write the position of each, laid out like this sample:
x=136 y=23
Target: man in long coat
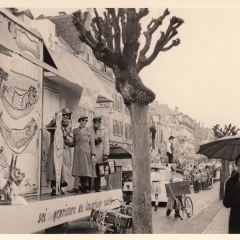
x=84 y=149
x=232 y=199
x=101 y=139
x=67 y=137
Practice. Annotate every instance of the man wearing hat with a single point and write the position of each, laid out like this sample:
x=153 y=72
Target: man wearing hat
x=101 y=140
x=84 y=148
x=68 y=137
x=170 y=149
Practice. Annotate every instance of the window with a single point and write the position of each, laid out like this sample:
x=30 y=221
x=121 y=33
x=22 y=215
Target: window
x=120 y=128
x=125 y=130
x=120 y=104
x=93 y=60
x=126 y=110
x=114 y=102
x=115 y=130
x=128 y=132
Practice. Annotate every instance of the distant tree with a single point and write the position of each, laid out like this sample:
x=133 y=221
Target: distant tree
x=224 y=173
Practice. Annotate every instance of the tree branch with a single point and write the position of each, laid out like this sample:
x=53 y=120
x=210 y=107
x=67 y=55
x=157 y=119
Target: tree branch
x=136 y=51
x=98 y=20
x=116 y=27
x=148 y=34
x=102 y=57
x=161 y=43
x=100 y=50
x=142 y=13
x=107 y=30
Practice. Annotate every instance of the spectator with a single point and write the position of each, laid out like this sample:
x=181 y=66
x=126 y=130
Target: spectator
x=203 y=179
x=232 y=199
x=155 y=183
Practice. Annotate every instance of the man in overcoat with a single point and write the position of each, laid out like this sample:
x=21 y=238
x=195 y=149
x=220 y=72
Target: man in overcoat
x=232 y=199
x=101 y=140
x=67 y=137
x=84 y=149
x=170 y=149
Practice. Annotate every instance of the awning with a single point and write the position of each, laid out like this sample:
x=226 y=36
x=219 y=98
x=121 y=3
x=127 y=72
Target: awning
x=119 y=153
x=76 y=71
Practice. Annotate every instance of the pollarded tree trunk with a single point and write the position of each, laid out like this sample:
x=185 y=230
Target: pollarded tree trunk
x=142 y=210
x=130 y=85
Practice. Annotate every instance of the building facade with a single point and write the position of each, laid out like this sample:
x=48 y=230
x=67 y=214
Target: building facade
x=189 y=135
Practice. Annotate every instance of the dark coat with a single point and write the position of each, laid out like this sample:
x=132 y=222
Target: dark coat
x=232 y=200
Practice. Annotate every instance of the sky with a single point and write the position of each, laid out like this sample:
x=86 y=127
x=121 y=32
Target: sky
x=200 y=76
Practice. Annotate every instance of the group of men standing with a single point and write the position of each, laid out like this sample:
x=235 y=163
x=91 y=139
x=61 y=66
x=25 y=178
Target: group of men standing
x=91 y=146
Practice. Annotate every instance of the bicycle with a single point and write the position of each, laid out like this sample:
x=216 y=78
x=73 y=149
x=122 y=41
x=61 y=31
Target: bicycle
x=184 y=206
x=182 y=203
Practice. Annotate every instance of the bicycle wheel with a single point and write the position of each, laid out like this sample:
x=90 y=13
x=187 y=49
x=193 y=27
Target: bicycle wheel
x=180 y=208
x=188 y=206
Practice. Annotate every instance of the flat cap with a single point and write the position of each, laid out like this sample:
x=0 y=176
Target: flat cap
x=97 y=117
x=82 y=117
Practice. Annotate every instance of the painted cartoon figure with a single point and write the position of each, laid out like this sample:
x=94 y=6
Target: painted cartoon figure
x=30 y=97
x=15 y=178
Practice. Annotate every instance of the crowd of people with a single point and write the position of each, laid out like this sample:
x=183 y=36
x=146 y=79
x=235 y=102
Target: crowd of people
x=200 y=179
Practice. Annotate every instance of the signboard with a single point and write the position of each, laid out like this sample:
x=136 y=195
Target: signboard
x=47 y=30
x=37 y=216
x=20 y=110
x=25 y=40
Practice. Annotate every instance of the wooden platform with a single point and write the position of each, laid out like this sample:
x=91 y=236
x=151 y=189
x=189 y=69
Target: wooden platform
x=46 y=211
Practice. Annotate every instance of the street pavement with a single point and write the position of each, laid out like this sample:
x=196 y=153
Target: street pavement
x=209 y=217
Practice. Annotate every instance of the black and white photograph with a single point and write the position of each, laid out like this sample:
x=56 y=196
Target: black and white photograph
x=120 y=117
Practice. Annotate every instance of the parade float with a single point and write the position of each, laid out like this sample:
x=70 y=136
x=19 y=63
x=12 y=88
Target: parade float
x=31 y=92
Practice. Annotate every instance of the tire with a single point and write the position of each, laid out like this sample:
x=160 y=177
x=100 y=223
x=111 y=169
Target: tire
x=188 y=206
x=181 y=210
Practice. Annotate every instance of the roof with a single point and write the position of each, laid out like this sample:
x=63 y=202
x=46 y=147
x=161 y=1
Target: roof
x=68 y=31
x=163 y=110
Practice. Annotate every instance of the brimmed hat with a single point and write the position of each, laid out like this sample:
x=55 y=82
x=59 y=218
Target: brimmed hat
x=155 y=165
x=66 y=111
x=97 y=117
x=82 y=117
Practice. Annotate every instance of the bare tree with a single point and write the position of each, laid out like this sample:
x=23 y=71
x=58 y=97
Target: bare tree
x=117 y=27
x=224 y=173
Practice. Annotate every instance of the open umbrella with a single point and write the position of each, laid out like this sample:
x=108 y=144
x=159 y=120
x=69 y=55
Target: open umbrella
x=226 y=148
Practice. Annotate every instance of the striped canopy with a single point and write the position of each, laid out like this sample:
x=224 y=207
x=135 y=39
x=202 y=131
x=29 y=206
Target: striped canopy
x=226 y=148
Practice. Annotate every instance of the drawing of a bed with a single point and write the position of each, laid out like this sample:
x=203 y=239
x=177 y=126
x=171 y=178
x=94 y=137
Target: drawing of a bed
x=19 y=103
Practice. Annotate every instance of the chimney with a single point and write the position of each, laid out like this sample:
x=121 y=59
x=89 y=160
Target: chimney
x=176 y=109
x=61 y=13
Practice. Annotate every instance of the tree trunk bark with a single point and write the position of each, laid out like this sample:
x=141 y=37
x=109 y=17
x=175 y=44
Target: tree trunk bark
x=142 y=208
x=224 y=175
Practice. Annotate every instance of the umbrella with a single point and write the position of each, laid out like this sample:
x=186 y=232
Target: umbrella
x=118 y=152
x=226 y=148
